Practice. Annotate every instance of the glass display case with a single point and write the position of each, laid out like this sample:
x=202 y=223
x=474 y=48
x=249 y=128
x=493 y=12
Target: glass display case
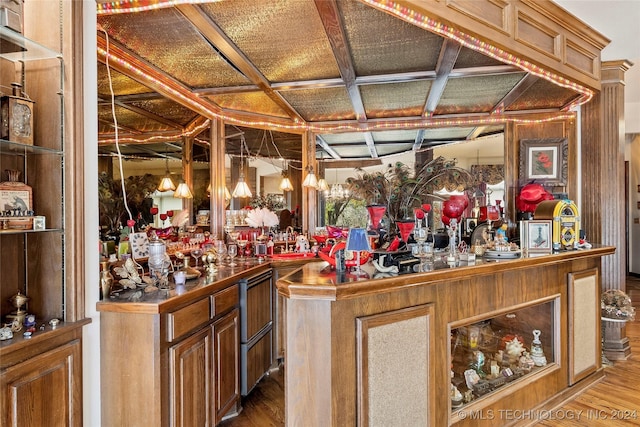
x=490 y=354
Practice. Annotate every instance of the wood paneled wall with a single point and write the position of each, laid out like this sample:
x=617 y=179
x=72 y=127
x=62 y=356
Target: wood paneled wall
x=603 y=185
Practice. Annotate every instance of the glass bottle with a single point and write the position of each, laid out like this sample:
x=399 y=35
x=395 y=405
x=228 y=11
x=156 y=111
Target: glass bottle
x=106 y=280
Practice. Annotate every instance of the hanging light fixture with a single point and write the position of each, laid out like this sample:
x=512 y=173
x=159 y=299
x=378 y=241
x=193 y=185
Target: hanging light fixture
x=310 y=180
x=337 y=192
x=166 y=183
x=323 y=185
x=183 y=191
x=285 y=184
x=242 y=188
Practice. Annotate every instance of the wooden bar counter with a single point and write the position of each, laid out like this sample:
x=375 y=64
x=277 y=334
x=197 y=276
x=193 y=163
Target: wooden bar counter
x=387 y=351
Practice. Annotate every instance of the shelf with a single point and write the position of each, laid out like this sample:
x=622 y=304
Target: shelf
x=15 y=47
x=48 y=230
x=490 y=355
x=17 y=149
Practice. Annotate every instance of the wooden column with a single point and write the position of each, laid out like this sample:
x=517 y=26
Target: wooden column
x=309 y=195
x=603 y=213
x=217 y=202
x=187 y=174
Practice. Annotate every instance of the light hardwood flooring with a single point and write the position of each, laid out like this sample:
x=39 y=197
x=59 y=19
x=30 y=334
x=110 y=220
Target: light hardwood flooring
x=604 y=404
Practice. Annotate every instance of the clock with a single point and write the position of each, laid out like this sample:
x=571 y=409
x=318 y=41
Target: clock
x=139 y=245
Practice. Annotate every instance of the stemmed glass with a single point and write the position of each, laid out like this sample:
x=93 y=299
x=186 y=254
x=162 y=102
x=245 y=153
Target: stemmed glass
x=221 y=250
x=154 y=211
x=196 y=253
x=242 y=243
x=170 y=214
x=232 y=251
x=163 y=217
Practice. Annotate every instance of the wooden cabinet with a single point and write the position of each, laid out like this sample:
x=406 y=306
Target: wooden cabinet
x=226 y=369
x=183 y=358
x=41 y=374
x=44 y=387
x=191 y=380
x=350 y=341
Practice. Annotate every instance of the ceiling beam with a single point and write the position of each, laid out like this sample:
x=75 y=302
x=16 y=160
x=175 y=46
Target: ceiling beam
x=214 y=34
x=351 y=163
x=475 y=132
x=149 y=115
x=320 y=141
x=418 y=141
x=334 y=28
x=446 y=61
x=514 y=93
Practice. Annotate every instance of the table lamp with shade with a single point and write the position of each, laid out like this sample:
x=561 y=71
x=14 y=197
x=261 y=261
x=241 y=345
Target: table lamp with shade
x=357 y=241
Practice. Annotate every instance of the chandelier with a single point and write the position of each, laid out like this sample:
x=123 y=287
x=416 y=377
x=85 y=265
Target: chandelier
x=337 y=192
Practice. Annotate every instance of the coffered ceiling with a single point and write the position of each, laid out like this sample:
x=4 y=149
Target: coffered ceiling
x=361 y=79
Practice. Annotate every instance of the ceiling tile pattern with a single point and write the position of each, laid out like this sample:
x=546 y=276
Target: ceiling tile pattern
x=290 y=63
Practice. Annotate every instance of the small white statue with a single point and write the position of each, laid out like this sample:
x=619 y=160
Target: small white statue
x=537 y=354
x=302 y=244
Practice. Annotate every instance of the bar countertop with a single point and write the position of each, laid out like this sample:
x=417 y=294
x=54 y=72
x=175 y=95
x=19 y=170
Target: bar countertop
x=320 y=281
x=161 y=301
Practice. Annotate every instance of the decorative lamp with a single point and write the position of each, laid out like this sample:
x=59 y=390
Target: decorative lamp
x=183 y=192
x=322 y=185
x=242 y=189
x=166 y=184
x=310 y=180
x=286 y=185
x=357 y=241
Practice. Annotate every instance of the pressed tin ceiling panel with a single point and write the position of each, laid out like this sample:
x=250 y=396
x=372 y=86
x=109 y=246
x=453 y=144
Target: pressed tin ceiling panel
x=129 y=119
x=541 y=95
x=168 y=41
x=476 y=94
x=168 y=109
x=468 y=58
x=298 y=48
x=251 y=102
x=122 y=85
x=394 y=135
x=286 y=41
x=395 y=99
x=389 y=149
x=321 y=104
x=382 y=44
x=443 y=134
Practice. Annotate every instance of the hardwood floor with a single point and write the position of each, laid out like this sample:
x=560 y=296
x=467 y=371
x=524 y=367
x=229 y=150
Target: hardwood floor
x=604 y=404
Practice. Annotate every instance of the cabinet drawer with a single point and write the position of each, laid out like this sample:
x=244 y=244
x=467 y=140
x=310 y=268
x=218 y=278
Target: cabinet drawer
x=224 y=301
x=188 y=318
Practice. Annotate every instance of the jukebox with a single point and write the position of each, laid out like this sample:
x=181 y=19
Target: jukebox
x=565 y=222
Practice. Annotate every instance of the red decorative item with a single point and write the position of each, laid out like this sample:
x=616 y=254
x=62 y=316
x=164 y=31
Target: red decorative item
x=405 y=227
x=419 y=213
x=453 y=208
x=331 y=256
x=131 y=223
x=426 y=207
x=376 y=212
x=530 y=196
x=170 y=214
x=154 y=210
x=394 y=245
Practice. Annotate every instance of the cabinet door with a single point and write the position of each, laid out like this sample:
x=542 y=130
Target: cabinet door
x=191 y=387
x=44 y=390
x=227 y=359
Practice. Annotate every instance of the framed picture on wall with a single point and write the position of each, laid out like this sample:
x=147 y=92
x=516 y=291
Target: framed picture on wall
x=544 y=161
x=536 y=236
